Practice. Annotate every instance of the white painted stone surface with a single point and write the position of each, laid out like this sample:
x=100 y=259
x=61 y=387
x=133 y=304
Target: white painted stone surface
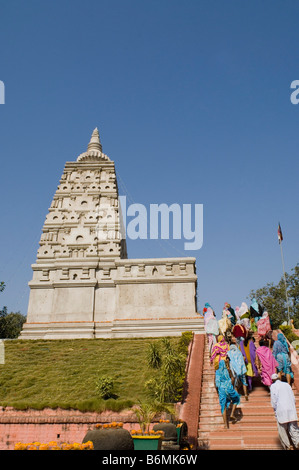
x=83 y=285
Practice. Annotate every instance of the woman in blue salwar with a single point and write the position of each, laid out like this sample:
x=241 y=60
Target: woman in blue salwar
x=226 y=392
x=281 y=353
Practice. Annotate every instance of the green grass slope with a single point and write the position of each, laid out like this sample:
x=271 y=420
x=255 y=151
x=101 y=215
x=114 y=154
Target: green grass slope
x=63 y=373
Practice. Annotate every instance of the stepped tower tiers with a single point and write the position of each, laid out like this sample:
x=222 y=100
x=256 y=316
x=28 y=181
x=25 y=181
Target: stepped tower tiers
x=83 y=284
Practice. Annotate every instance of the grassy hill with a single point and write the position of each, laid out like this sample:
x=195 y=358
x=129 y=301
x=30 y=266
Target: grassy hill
x=63 y=373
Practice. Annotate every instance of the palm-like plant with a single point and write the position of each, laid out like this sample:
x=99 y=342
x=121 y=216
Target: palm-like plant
x=145 y=413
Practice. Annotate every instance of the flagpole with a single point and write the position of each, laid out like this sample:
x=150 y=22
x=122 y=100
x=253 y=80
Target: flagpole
x=284 y=275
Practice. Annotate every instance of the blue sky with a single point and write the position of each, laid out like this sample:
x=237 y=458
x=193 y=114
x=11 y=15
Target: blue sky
x=192 y=101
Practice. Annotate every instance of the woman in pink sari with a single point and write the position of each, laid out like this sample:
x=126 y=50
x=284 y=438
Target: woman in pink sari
x=264 y=325
x=265 y=362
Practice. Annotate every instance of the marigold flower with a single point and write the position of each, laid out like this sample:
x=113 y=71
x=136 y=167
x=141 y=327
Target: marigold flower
x=44 y=447
x=76 y=446
x=20 y=446
x=52 y=444
x=87 y=445
x=65 y=446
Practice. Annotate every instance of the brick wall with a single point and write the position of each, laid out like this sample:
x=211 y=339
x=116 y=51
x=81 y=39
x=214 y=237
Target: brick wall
x=53 y=425
x=190 y=407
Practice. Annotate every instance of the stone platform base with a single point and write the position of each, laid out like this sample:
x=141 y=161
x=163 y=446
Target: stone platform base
x=142 y=328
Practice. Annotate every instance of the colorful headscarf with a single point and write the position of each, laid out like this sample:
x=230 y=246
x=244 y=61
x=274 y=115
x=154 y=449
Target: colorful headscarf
x=219 y=350
x=239 y=331
x=222 y=376
x=255 y=305
x=207 y=305
x=208 y=314
x=231 y=314
x=281 y=345
x=224 y=323
x=263 y=325
x=243 y=310
x=237 y=364
x=253 y=326
x=210 y=322
x=281 y=354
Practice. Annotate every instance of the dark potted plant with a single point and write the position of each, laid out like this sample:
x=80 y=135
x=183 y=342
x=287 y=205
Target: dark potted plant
x=110 y=437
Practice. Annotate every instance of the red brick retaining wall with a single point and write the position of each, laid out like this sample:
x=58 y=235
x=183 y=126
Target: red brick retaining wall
x=53 y=425
x=191 y=404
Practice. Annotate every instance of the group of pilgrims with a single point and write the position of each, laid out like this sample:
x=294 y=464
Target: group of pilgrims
x=236 y=357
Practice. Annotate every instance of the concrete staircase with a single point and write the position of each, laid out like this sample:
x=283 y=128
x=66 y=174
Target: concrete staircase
x=256 y=428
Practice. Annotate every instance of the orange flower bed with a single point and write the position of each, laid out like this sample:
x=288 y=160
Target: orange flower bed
x=53 y=446
x=150 y=433
x=112 y=425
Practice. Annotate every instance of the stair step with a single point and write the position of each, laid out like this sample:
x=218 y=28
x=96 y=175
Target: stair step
x=253 y=426
x=235 y=434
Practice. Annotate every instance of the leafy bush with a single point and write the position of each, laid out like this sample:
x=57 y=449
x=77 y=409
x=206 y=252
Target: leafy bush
x=288 y=332
x=11 y=324
x=169 y=361
x=105 y=387
x=185 y=340
x=145 y=413
x=154 y=356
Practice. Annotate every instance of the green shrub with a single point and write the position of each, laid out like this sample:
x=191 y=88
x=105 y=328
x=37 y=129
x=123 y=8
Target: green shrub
x=105 y=387
x=185 y=340
x=288 y=332
x=166 y=385
x=154 y=356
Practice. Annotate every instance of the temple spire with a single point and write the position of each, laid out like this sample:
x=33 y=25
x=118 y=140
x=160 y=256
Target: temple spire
x=95 y=143
x=94 y=149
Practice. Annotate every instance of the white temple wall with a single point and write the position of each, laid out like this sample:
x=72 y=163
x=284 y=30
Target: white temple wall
x=154 y=300
x=44 y=299
x=73 y=304
x=105 y=303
